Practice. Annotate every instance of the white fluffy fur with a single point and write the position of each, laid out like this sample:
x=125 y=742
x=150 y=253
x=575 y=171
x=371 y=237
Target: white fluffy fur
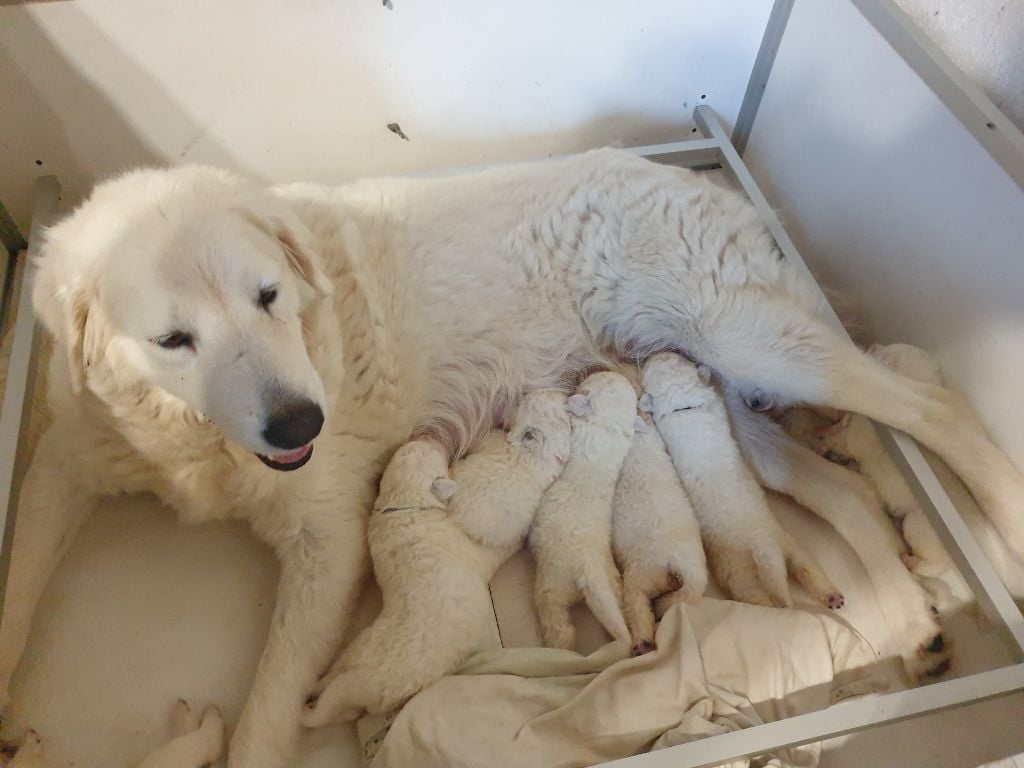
x=571 y=534
x=854 y=438
x=433 y=566
x=655 y=535
x=402 y=304
x=847 y=501
x=196 y=740
x=749 y=553
x=500 y=484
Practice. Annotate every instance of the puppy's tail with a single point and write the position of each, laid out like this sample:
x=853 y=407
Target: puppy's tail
x=689 y=575
x=602 y=590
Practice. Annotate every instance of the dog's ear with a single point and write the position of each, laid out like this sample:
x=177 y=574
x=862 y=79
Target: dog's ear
x=579 y=406
x=273 y=218
x=62 y=305
x=444 y=488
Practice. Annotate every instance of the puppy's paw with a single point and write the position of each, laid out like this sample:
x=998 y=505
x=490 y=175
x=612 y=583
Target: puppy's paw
x=834 y=601
x=927 y=655
x=641 y=647
x=335 y=704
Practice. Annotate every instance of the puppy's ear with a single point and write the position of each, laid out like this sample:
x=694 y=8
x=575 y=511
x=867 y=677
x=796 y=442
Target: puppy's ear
x=276 y=220
x=62 y=305
x=444 y=488
x=579 y=406
x=640 y=425
x=646 y=403
x=704 y=374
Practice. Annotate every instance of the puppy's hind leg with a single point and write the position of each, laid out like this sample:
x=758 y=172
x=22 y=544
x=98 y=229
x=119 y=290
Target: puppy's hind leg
x=553 y=595
x=844 y=500
x=638 y=610
x=806 y=572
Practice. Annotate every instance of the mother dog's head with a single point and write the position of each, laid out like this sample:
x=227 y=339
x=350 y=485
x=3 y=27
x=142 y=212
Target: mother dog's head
x=191 y=282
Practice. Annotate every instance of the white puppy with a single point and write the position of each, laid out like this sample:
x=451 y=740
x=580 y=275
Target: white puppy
x=655 y=534
x=434 y=567
x=747 y=550
x=571 y=535
x=197 y=739
x=500 y=484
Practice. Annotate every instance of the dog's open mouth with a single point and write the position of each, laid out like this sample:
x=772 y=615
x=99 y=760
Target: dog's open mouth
x=286 y=462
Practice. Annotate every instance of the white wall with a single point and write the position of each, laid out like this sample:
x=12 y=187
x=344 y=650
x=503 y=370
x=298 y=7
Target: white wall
x=983 y=38
x=303 y=90
x=894 y=202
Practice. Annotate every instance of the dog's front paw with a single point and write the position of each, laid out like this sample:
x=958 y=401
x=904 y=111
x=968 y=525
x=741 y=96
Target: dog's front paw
x=198 y=738
x=29 y=754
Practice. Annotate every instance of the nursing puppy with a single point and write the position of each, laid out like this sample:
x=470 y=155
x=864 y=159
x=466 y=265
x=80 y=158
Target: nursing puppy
x=435 y=543
x=571 y=534
x=655 y=534
x=749 y=554
x=258 y=354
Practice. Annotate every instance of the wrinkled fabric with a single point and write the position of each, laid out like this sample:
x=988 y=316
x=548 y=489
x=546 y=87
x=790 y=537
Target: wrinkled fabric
x=719 y=666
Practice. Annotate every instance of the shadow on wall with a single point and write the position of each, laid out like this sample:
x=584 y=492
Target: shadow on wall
x=77 y=89
x=73 y=129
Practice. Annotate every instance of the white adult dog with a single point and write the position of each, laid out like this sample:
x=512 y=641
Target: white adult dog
x=208 y=330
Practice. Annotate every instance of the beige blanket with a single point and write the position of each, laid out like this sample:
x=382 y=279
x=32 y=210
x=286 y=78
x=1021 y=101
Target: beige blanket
x=719 y=666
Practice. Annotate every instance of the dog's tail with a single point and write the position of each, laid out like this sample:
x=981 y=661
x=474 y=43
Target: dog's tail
x=602 y=590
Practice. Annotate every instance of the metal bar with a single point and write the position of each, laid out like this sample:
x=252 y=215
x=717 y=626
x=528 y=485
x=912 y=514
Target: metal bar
x=970 y=105
x=696 y=152
x=688 y=153
x=761 y=71
x=972 y=562
x=21 y=367
x=10 y=235
x=990 y=591
x=837 y=720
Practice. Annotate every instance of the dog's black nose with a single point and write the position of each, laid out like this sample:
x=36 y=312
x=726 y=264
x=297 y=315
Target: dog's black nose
x=293 y=424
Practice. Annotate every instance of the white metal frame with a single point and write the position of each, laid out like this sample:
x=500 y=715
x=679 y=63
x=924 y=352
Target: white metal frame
x=1005 y=144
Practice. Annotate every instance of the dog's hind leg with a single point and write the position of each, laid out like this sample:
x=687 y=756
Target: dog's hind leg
x=846 y=501
x=790 y=355
x=942 y=420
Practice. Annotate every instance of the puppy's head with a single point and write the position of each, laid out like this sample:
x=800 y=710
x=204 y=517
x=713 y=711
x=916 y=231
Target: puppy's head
x=192 y=283
x=541 y=425
x=416 y=478
x=607 y=398
x=672 y=383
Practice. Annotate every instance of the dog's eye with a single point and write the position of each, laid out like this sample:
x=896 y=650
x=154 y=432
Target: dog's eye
x=267 y=297
x=176 y=339
x=529 y=434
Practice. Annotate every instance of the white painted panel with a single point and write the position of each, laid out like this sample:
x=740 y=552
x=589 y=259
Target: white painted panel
x=891 y=200
x=304 y=90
